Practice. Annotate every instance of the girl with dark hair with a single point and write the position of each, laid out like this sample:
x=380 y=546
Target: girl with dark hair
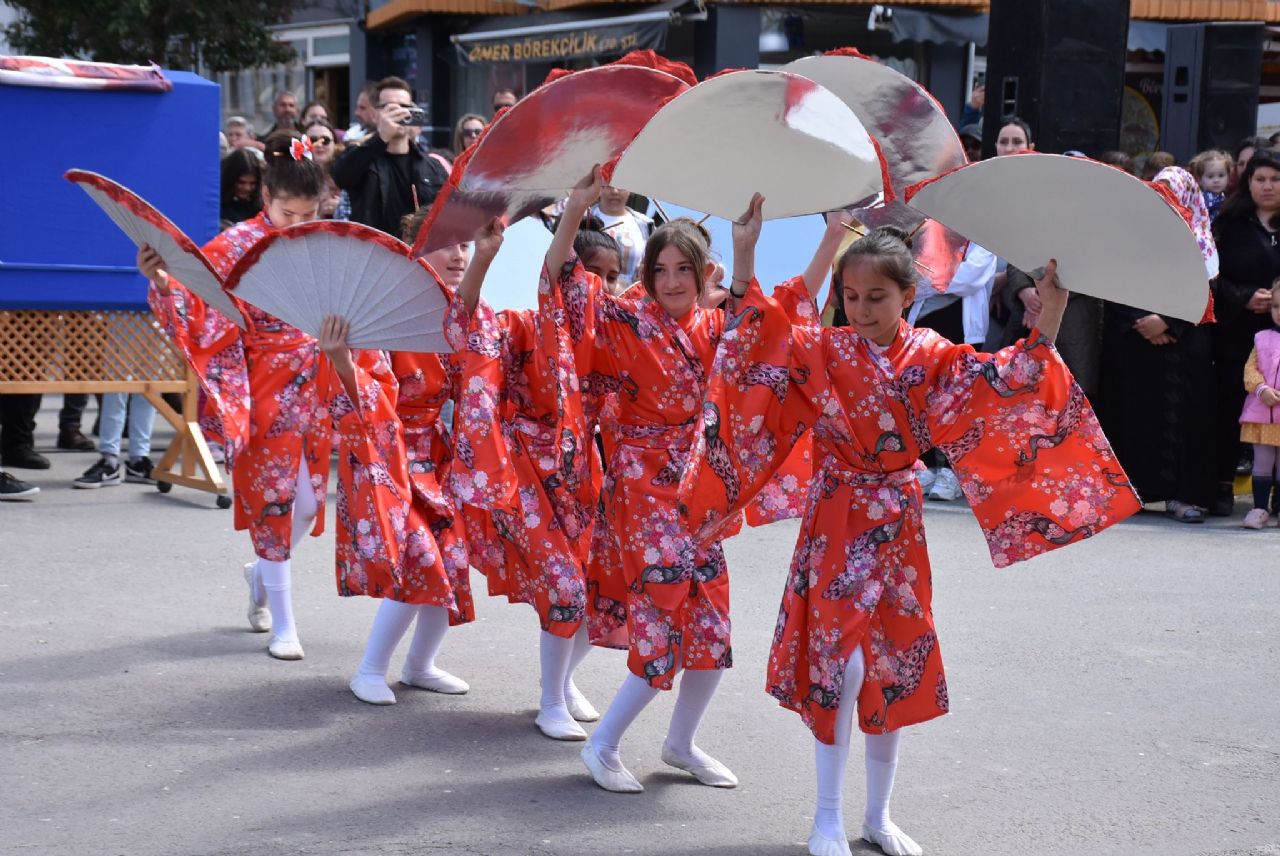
x=1014 y=136
x=855 y=632
x=261 y=385
x=1246 y=233
x=241 y=194
x=600 y=256
x=669 y=599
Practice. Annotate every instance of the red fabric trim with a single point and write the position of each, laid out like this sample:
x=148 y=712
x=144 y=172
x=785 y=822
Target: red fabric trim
x=650 y=59
x=723 y=72
x=890 y=193
x=849 y=52
x=910 y=192
x=344 y=228
x=140 y=208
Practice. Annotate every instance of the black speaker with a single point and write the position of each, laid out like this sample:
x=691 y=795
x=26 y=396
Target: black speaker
x=1211 y=78
x=1058 y=64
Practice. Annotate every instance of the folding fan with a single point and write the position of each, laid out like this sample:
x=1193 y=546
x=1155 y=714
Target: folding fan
x=916 y=138
x=780 y=134
x=305 y=272
x=536 y=151
x=138 y=219
x=1113 y=236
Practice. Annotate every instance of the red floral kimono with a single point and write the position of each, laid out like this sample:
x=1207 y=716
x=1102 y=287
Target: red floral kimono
x=529 y=509
x=1015 y=426
x=262 y=382
x=672 y=593
x=398 y=535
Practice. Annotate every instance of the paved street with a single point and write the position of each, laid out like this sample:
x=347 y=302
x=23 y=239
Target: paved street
x=1116 y=697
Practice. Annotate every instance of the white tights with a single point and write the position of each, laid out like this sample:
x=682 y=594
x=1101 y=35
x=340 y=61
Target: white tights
x=696 y=689
x=832 y=759
x=389 y=626
x=275 y=577
x=559 y=658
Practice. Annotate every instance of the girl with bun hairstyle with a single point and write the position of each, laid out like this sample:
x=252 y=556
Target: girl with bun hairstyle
x=261 y=383
x=855 y=632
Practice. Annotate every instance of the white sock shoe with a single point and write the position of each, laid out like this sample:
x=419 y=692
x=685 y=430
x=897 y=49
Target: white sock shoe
x=372 y=689
x=284 y=644
x=557 y=724
x=577 y=704
x=821 y=845
x=554 y=655
x=258 y=614
x=892 y=840
x=610 y=776
x=420 y=669
x=700 y=765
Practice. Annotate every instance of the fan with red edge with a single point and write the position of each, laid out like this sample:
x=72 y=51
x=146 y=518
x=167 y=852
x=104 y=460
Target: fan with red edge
x=535 y=152
x=916 y=137
x=145 y=225
x=780 y=134
x=303 y=273
x=1114 y=236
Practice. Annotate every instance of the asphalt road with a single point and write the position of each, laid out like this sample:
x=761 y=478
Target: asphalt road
x=1119 y=696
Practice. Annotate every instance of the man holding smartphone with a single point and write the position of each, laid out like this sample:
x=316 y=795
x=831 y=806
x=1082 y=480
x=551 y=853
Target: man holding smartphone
x=388 y=175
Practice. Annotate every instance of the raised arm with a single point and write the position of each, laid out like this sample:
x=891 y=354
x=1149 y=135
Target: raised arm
x=746 y=234
x=488 y=241
x=581 y=198
x=825 y=255
x=1053 y=297
x=334 y=330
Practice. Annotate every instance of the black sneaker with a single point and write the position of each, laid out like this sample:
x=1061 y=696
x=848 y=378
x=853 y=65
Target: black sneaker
x=100 y=474
x=24 y=459
x=138 y=471
x=15 y=490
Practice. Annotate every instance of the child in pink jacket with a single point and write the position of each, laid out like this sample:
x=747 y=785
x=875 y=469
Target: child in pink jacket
x=1260 y=418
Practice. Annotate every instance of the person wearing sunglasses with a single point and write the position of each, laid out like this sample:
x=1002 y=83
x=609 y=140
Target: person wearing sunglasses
x=466 y=132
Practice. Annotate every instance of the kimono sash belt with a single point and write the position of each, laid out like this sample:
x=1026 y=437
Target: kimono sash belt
x=837 y=470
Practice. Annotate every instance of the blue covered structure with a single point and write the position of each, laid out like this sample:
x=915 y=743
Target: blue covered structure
x=58 y=250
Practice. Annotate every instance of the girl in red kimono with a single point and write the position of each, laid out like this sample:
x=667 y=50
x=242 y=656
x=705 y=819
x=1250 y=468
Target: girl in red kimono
x=262 y=383
x=855 y=630
x=400 y=536
x=529 y=515
x=653 y=348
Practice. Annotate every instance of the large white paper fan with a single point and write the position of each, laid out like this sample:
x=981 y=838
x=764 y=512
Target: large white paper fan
x=1114 y=236
x=781 y=134
x=144 y=224
x=305 y=272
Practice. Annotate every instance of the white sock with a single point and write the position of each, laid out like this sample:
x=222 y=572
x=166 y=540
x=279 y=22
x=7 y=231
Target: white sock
x=581 y=648
x=304 y=506
x=831 y=760
x=428 y=636
x=633 y=696
x=882 y=763
x=276 y=580
x=697 y=686
x=555 y=654
x=389 y=626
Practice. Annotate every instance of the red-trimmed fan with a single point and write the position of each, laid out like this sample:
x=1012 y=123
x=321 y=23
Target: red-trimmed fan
x=916 y=137
x=780 y=134
x=140 y=220
x=535 y=152
x=303 y=273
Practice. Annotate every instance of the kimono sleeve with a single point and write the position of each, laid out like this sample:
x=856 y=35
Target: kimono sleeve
x=765 y=381
x=481 y=474
x=1031 y=457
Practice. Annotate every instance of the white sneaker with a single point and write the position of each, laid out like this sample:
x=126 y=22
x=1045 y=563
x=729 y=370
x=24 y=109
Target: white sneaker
x=579 y=708
x=821 y=845
x=559 y=729
x=372 y=689
x=893 y=841
x=620 y=781
x=946 y=487
x=284 y=649
x=259 y=615
x=926 y=477
x=438 y=681
x=710 y=772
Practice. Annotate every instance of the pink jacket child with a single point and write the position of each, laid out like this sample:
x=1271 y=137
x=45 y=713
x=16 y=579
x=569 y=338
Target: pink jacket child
x=1266 y=361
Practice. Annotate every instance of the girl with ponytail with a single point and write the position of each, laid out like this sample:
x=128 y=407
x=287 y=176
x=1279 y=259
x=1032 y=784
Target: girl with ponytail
x=263 y=403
